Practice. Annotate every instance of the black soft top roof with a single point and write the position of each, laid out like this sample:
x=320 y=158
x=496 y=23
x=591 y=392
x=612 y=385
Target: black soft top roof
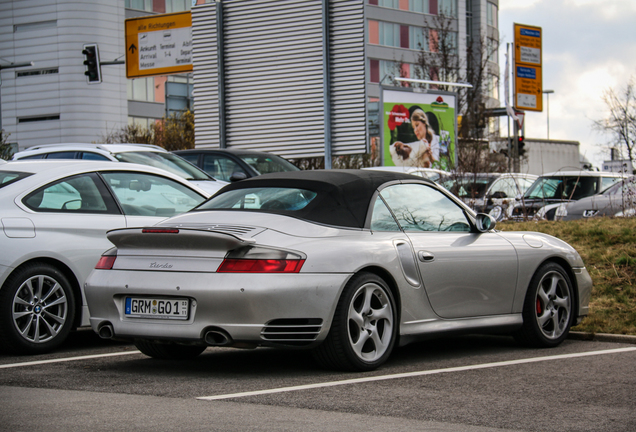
x=343 y=196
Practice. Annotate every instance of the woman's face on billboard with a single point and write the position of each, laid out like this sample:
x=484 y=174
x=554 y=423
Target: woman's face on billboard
x=419 y=127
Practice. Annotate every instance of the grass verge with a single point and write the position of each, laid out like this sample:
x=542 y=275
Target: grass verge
x=608 y=248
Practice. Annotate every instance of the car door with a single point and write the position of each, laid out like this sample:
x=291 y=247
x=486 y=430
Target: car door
x=70 y=218
x=464 y=273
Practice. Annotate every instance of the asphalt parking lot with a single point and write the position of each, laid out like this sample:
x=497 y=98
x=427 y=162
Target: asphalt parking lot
x=470 y=383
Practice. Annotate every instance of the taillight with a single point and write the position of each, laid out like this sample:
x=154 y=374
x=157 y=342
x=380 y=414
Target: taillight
x=232 y=265
x=258 y=259
x=160 y=231
x=106 y=262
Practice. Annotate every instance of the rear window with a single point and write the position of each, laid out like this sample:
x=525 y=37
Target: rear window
x=8 y=177
x=271 y=199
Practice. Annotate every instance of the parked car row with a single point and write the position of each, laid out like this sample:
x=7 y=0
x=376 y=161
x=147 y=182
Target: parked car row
x=361 y=233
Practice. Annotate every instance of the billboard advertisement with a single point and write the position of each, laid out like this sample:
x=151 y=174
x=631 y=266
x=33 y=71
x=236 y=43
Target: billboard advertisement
x=419 y=129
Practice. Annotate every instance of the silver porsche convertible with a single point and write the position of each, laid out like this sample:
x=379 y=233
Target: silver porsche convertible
x=347 y=263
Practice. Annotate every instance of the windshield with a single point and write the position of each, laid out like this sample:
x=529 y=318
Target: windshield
x=469 y=186
x=166 y=161
x=8 y=177
x=268 y=164
x=271 y=198
x=562 y=188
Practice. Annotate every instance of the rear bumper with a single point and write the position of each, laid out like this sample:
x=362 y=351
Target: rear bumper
x=239 y=304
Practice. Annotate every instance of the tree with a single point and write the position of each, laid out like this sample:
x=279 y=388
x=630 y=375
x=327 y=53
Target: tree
x=620 y=122
x=439 y=60
x=5 y=148
x=176 y=132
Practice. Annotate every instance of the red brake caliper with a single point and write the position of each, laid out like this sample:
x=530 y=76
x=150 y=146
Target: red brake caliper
x=539 y=308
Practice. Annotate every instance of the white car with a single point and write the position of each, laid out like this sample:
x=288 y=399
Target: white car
x=143 y=154
x=429 y=173
x=54 y=217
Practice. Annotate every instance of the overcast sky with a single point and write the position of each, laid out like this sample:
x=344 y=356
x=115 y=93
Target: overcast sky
x=589 y=46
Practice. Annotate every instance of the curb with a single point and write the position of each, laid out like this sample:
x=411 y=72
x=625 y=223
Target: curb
x=602 y=337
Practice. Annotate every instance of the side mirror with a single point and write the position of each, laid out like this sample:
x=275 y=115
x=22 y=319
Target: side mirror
x=485 y=222
x=238 y=176
x=498 y=195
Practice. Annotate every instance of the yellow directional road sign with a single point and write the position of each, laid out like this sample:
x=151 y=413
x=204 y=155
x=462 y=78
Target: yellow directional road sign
x=159 y=45
x=528 y=68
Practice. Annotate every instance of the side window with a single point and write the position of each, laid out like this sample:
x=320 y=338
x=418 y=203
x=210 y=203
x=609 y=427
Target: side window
x=80 y=194
x=608 y=181
x=193 y=158
x=422 y=208
x=151 y=195
x=507 y=187
x=62 y=155
x=93 y=156
x=382 y=219
x=220 y=167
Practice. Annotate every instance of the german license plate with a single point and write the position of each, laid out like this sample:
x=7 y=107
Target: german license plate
x=170 y=309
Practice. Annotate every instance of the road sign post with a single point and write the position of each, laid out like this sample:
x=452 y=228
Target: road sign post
x=528 y=79
x=159 y=45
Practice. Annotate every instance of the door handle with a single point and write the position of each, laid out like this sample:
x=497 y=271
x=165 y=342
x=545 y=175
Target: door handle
x=425 y=256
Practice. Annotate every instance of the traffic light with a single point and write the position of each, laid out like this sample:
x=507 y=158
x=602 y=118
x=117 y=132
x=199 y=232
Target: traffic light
x=91 y=61
x=521 y=146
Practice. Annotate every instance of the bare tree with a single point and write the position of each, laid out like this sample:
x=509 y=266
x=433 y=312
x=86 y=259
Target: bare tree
x=621 y=120
x=5 y=148
x=175 y=132
x=439 y=60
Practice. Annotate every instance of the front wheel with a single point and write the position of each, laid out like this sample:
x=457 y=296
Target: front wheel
x=548 y=308
x=37 y=308
x=364 y=327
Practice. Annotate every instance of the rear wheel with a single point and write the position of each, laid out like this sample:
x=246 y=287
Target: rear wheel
x=548 y=308
x=168 y=351
x=37 y=308
x=364 y=326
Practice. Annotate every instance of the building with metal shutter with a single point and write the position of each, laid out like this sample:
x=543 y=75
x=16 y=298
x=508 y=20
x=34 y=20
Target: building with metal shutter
x=276 y=70
x=285 y=76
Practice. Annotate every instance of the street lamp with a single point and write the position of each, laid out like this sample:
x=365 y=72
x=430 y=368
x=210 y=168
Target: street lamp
x=548 y=92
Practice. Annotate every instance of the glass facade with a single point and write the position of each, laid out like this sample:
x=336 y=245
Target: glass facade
x=431 y=7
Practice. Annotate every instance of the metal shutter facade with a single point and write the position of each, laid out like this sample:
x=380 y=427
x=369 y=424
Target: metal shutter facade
x=269 y=86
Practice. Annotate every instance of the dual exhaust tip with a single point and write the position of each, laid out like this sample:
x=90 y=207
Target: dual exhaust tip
x=211 y=337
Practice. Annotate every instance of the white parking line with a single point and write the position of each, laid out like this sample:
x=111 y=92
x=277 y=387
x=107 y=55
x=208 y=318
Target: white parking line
x=67 y=359
x=415 y=374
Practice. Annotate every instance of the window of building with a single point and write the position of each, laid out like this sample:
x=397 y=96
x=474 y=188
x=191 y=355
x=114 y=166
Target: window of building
x=178 y=5
x=418 y=38
x=143 y=122
x=492 y=15
x=421 y=6
x=447 y=8
x=34 y=72
x=141 y=89
x=469 y=21
x=492 y=50
x=145 y=5
x=378 y=69
x=493 y=86
x=159 y=6
x=38 y=118
x=34 y=26
x=398 y=36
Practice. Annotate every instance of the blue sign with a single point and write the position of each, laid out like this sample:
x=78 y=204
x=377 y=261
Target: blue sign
x=526 y=72
x=528 y=32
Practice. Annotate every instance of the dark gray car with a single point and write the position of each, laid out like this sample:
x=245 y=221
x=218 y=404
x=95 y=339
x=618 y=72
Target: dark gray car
x=618 y=200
